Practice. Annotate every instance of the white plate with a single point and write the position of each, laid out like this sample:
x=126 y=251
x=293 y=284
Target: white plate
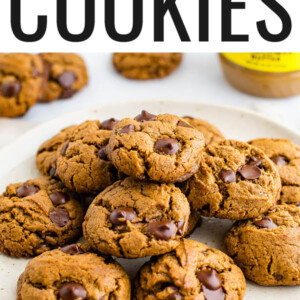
x=17 y=163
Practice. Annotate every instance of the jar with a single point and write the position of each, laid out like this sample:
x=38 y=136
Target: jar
x=269 y=75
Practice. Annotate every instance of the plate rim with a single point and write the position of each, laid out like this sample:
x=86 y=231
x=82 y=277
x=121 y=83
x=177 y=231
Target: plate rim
x=238 y=109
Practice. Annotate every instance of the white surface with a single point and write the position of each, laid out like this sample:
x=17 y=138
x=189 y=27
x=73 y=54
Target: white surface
x=199 y=79
x=17 y=164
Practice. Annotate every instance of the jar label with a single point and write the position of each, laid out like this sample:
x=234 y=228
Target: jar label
x=266 y=62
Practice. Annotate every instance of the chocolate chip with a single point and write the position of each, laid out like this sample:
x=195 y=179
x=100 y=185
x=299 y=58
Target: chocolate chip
x=72 y=291
x=184 y=124
x=227 y=176
x=11 y=89
x=265 y=222
x=174 y=296
x=59 y=217
x=102 y=153
x=64 y=149
x=167 y=146
x=73 y=249
x=162 y=230
x=51 y=234
x=213 y=295
x=254 y=161
x=58 y=198
x=26 y=190
x=52 y=172
x=180 y=226
x=145 y=116
x=210 y=278
x=280 y=160
x=66 y=79
x=127 y=129
x=188 y=117
x=122 y=214
x=67 y=93
x=109 y=124
x=250 y=172
x=278 y=276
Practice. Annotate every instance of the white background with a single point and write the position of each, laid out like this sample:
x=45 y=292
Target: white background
x=244 y=22
x=199 y=78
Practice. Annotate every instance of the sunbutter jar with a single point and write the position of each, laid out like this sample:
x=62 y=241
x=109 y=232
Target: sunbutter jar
x=270 y=75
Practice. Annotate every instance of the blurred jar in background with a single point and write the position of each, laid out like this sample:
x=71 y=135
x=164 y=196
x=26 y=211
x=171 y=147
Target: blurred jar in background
x=269 y=75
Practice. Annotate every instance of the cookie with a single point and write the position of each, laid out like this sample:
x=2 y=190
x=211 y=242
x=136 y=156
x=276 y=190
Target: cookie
x=67 y=75
x=22 y=78
x=46 y=152
x=133 y=218
x=267 y=248
x=192 y=271
x=286 y=157
x=210 y=132
x=145 y=66
x=81 y=161
x=162 y=148
x=235 y=181
x=36 y=216
x=71 y=273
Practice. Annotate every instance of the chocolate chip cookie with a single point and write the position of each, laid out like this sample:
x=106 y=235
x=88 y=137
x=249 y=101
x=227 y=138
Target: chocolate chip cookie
x=67 y=75
x=46 y=152
x=162 y=148
x=210 y=132
x=36 y=216
x=22 y=78
x=71 y=273
x=267 y=248
x=192 y=271
x=81 y=161
x=286 y=157
x=133 y=218
x=145 y=66
x=235 y=181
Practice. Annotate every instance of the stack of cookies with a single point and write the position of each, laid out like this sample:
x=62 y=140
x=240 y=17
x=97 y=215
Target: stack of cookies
x=136 y=188
x=26 y=79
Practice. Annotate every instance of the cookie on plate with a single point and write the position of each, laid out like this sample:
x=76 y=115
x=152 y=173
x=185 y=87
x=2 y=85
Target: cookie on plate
x=210 y=132
x=133 y=218
x=22 y=78
x=267 y=248
x=286 y=157
x=36 y=216
x=144 y=66
x=81 y=161
x=235 y=181
x=67 y=75
x=192 y=271
x=162 y=148
x=73 y=273
x=46 y=152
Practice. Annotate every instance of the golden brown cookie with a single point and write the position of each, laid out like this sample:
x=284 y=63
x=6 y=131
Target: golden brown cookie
x=162 y=148
x=286 y=157
x=267 y=248
x=72 y=273
x=134 y=218
x=67 y=75
x=192 y=271
x=46 y=152
x=210 y=132
x=144 y=66
x=234 y=181
x=81 y=162
x=36 y=216
x=22 y=78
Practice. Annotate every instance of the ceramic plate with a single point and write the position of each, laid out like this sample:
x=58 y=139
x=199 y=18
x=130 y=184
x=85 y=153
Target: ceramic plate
x=17 y=163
